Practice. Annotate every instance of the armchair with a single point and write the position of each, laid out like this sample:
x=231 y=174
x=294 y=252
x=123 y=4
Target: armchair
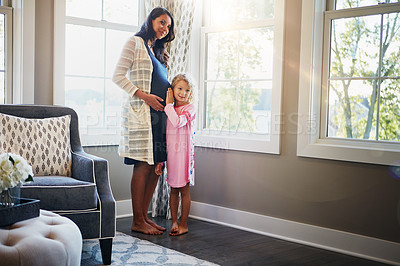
x=85 y=196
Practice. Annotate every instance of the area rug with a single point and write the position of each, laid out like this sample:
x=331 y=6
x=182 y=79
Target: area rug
x=128 y=250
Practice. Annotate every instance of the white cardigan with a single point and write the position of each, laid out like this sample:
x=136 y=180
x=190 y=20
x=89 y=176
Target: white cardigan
x=136 y=139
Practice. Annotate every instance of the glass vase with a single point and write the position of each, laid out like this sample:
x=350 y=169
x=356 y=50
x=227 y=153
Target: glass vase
x=10 y=197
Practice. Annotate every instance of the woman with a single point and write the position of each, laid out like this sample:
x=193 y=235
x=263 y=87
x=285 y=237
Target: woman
x=143 y=141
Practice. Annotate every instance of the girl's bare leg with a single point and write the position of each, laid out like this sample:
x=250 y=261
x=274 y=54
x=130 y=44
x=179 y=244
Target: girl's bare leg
x=174 y=204
x=138 y=185
x=185 y=197
x=151 y=184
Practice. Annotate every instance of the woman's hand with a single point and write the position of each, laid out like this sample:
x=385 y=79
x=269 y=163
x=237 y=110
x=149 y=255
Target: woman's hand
x=154 y=101
x=170 y=96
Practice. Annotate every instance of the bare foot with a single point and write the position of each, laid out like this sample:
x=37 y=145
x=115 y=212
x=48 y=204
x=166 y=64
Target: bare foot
x=174 y=228
x=153 y=224
x=146 y=229
x=181 y=230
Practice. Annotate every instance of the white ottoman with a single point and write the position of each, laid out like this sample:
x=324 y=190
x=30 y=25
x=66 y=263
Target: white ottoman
x=49 y=239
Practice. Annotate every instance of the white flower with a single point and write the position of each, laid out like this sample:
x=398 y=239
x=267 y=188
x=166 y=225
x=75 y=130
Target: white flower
x=14 y=171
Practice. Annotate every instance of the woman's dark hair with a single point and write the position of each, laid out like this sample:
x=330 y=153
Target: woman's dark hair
x=147 y=33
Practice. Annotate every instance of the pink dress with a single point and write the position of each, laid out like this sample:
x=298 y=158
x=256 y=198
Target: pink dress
x=180 y=145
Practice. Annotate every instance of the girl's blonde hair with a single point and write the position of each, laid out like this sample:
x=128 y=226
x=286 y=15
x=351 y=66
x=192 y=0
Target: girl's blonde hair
x=189 y=81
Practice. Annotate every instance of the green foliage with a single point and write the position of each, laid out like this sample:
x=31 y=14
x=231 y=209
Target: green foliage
x=230 y=102
x=390 y=112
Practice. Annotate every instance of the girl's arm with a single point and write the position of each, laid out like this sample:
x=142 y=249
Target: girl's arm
x=124 y=63
x=180 y=120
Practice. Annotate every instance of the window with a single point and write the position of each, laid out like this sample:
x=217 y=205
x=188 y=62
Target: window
x=95 y=32
x=17 y=54
x=5 y=54
x=240 y=79
x=363 y=79
x=349 y=104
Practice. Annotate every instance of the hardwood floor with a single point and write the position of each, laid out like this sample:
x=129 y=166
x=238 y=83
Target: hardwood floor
x=229 y=246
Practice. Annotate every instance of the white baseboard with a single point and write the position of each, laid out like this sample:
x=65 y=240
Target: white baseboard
x=124 y=208
x=325 y=238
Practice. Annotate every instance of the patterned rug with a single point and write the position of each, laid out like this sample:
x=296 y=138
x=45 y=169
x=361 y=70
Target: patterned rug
x=128 y=250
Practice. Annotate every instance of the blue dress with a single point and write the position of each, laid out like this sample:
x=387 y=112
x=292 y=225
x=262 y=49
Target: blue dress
x=159 y=87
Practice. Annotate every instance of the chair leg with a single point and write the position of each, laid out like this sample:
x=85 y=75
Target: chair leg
x=106 y=250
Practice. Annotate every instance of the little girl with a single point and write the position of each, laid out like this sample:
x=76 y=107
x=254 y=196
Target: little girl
x=180 y=149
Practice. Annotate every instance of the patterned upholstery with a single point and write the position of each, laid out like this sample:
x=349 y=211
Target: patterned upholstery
x=85 y=197
x=44 y=143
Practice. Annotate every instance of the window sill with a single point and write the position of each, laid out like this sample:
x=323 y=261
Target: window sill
x=371 y=153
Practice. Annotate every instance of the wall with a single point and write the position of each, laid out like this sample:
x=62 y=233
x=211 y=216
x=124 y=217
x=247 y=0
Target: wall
x=44 y=51
x=353 y=197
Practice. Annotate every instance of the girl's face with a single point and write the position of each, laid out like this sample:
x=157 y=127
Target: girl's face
x=182 y=92
x=161 y=26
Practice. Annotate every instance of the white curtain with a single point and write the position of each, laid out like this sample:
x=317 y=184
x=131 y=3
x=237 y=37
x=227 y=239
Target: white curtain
x=182 y=11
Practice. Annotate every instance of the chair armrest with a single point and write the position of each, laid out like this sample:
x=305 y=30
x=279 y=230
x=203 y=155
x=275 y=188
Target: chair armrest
x=90 y=168
x=82 y=167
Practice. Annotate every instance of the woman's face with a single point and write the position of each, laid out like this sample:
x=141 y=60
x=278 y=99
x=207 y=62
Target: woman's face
x=161 y=26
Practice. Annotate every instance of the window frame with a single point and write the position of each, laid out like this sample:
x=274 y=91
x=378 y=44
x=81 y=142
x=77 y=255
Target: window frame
x=60 y=22
x=251 y=142
x=313 y=92
x=20 y=51
x=8 y=52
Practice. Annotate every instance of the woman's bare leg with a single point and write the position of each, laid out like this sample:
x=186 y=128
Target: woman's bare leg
x=174 y=205
x=151 y=184
x=185 y=197
x=138 y=186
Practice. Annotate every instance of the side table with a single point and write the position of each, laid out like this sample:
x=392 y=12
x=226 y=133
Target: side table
x=49 y=239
